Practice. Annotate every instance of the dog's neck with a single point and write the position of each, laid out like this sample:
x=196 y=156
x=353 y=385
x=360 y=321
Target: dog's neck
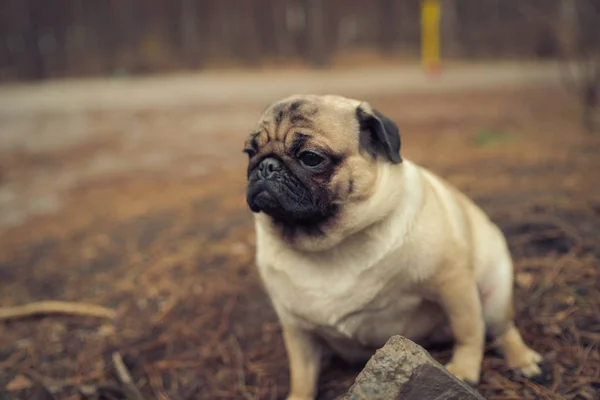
x=390 y=191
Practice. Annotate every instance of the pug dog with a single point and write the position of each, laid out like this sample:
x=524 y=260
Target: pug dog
x=355 y=244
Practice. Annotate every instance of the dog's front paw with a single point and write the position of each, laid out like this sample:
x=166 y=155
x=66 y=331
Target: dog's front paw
x=296 y=397
x=469 y=375
x=526 y=363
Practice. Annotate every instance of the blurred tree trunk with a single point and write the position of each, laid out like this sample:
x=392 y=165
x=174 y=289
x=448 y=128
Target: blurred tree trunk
x=317 y=46
x=31 y=36
x=449 y=30
x=387 y=25
x=580 y=44
x=190 y=35
x=469 y=18
x=247 y=31
x=284 y=46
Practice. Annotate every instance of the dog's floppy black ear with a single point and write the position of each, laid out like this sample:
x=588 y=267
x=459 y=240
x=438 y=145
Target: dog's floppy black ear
x=378 y=133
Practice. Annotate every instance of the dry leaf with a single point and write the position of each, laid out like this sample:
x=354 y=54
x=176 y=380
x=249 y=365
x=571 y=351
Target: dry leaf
x=525 y=279
x=19 y=382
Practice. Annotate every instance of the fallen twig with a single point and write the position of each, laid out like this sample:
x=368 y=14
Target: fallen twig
x=239 y=354
x=41 y=389
x=156 y=383
x=55 y=307
x=132 y=392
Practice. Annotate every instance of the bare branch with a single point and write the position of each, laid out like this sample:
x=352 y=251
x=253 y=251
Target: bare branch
x=55 y=307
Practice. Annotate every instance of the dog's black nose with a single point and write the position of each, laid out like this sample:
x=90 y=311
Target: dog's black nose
x=269 y=166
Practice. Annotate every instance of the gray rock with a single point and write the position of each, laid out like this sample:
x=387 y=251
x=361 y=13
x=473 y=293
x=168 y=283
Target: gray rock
x=403 y=370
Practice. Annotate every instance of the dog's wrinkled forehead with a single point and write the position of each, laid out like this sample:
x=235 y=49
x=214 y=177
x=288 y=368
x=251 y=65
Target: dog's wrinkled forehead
x=305 y=107
x=295 y=110
x=322 y=117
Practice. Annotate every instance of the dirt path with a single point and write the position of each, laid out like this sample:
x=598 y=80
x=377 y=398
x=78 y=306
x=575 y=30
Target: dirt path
x=225 y=88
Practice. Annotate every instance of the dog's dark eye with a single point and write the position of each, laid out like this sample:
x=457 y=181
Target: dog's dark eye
x=310 y=159
x=251 y=152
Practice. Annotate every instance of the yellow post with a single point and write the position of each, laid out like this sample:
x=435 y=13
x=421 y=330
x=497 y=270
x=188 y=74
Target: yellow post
x=430 y=34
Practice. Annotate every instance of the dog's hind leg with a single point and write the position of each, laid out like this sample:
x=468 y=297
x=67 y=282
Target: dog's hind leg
x=497 y=300
x=459 y=298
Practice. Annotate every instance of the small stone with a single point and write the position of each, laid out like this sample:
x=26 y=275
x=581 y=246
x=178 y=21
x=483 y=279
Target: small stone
x=106 y=330
x=88 y=390
x=404 y=370
x=552 y=329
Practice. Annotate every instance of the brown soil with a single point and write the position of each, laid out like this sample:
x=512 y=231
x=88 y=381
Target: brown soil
x=144 y=212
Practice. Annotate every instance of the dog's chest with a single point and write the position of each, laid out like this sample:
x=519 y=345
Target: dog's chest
x=351 y=297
